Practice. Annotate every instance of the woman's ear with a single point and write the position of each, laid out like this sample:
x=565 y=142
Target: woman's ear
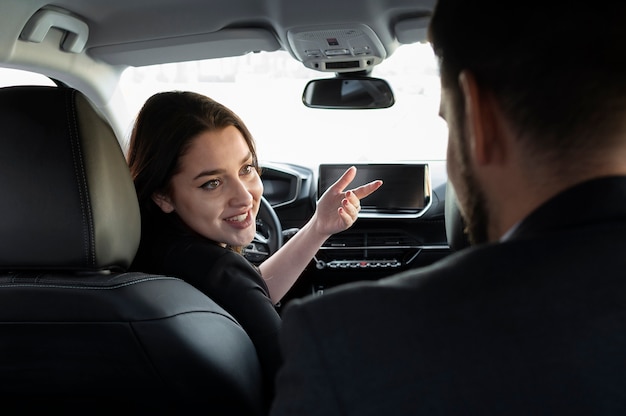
x=481 y=114
x=163 y=201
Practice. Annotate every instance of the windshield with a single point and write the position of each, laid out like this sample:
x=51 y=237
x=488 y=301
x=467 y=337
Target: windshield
x=265 y=89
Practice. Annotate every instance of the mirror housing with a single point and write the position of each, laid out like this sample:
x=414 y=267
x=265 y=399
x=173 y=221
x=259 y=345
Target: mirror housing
x=348 y=92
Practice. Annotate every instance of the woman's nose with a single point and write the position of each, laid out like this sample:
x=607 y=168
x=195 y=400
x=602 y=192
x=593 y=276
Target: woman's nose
x=241 y=195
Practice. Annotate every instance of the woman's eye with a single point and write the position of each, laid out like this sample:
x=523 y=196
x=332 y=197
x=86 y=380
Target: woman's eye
x=248 y=169
x=212 y=184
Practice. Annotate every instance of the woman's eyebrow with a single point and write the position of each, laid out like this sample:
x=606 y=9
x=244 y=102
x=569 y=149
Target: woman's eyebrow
x=208 y=173
x=218 y=171
x=248 y=157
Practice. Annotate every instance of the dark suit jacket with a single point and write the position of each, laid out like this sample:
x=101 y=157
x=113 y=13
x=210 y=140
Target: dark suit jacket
x=534 y=325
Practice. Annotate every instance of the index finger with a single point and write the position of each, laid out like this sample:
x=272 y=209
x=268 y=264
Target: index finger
x=344 y=180
x=365 y=190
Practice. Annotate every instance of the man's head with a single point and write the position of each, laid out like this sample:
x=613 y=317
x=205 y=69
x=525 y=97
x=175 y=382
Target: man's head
x=554 y=75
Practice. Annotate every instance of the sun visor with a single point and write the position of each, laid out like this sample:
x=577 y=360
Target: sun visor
x=412 y=30
x=339 y=48
x=226 y=42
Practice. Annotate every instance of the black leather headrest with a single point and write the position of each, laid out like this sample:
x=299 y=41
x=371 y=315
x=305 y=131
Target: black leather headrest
x=67 y=199
x=455 y=226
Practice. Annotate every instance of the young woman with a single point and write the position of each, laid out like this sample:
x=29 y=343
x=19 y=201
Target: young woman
x=196 y=173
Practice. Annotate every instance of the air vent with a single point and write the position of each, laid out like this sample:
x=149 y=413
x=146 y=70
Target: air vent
x=397 y=240
x=345 y=241
x=352 y=250
x=370 y=240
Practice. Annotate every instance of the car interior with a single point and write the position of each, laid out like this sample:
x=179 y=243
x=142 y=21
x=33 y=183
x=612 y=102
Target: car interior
x=76 y=325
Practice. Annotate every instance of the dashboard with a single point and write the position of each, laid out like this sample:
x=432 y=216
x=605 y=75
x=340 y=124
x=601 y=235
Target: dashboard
x=401 y=226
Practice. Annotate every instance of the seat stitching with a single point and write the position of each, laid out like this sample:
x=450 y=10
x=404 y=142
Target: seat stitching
x=70 y=286
x=79 y=170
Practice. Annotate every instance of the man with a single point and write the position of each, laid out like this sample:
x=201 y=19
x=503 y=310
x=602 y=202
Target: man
x=532 y=318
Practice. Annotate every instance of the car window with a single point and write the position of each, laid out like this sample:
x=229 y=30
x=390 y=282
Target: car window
x=265 y=89
x=11 y=77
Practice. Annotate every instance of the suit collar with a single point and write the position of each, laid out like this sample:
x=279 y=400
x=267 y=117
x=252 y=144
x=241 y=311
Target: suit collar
x=590 y=202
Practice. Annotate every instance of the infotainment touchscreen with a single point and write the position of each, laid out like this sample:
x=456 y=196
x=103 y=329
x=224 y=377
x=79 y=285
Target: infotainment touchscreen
x=405 y=190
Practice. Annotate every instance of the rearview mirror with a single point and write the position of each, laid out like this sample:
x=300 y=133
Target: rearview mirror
x=348 y=93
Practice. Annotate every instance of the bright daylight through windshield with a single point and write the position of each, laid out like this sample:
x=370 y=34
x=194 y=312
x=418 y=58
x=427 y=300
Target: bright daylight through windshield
x=265 y=89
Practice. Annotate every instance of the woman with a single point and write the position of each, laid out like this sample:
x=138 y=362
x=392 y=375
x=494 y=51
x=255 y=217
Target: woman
x=196 y=173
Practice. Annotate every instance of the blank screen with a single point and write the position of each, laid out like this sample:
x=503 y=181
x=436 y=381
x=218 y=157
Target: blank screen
x=402 y=189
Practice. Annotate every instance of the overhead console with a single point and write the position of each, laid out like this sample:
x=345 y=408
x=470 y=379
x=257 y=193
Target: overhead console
x=405 y=193
x=342 y=48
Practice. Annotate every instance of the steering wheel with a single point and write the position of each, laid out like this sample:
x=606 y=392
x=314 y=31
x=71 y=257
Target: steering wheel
x=269 y=235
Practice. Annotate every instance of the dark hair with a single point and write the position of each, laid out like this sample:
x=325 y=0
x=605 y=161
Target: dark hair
x=557 y=68
x=163 y=131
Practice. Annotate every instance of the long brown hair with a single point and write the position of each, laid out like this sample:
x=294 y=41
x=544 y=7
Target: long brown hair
x=163 y=131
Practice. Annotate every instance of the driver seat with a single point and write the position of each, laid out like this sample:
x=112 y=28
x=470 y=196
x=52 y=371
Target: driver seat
x=77 y=331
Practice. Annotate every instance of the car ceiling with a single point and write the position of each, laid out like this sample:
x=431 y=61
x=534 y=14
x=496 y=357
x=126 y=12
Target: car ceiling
x=122 y=33
x=141 y=32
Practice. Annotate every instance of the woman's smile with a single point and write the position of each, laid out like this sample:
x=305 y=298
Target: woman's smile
x=241 y=221
x=217 y=191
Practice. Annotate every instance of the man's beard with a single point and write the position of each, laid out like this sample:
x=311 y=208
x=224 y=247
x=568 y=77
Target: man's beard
x=475 y=212
x=474 y=207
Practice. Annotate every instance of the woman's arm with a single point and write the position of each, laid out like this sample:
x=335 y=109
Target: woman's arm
x=336 y=211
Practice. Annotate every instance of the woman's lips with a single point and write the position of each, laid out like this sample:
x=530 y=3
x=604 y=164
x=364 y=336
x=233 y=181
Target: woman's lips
x=240 y=221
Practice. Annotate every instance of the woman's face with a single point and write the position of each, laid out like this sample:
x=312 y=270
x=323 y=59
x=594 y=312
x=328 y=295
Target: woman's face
x=218 y=190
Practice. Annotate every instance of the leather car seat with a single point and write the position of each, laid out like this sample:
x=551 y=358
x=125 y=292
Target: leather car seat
x=78 y=332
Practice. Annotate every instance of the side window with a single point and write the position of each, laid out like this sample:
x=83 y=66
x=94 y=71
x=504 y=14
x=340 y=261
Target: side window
x=10 y=77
